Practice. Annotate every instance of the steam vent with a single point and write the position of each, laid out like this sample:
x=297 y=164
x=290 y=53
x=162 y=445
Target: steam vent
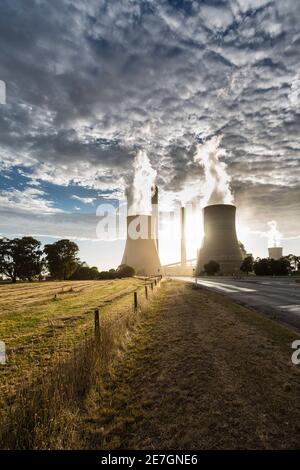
x=140 y=249
x=220 y=242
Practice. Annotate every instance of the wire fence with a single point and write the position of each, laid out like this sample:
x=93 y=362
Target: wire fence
x=42 y=414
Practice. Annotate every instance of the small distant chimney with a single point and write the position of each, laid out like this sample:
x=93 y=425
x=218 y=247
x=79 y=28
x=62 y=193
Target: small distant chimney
x=182 y=238
x=275 y=252
x=155 y=221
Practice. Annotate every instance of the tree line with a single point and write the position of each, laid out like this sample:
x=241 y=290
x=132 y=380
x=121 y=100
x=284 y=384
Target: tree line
x=24 y=259
x=287 y=265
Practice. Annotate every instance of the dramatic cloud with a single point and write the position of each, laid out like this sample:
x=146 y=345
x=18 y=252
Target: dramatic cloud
x=30 y=200
x=89 y=83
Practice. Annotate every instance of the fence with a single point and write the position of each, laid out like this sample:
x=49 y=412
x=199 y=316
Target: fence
x=43 y=415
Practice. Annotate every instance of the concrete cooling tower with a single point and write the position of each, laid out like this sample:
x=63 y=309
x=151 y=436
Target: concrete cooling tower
x=220 y=241
x=275 y=252
x=140 y=249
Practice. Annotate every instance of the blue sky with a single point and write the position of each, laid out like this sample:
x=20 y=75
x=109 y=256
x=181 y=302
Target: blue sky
x=88 y=83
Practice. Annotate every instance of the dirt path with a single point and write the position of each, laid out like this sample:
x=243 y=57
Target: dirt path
x=200 y=372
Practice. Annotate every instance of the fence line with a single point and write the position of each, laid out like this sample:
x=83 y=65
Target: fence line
x=38 y=417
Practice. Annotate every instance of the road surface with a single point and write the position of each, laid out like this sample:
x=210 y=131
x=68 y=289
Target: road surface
x=279 y=298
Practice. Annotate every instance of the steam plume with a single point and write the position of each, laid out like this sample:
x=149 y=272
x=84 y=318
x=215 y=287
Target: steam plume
x=274 y=236
x=217 y=181
x=140 y=189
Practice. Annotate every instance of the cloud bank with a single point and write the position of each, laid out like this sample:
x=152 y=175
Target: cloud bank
x=90 y=82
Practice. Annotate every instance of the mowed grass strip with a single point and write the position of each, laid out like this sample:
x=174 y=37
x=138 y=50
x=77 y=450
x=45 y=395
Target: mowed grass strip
x=200 y=372
x=38 y=327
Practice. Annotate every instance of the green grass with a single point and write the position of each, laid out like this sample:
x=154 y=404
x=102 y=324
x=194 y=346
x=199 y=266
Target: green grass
x=35 y=327
x=56 y=360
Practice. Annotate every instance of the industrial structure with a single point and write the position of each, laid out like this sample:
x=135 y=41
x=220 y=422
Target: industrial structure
x=275 y=252
x=186 y=266
x=182 y=238
x=155 y=216
x=220 y=241
x=141 y=249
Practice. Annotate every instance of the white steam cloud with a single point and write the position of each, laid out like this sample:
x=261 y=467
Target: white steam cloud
x=139 y=190
x=217 y=181
x=274 y=236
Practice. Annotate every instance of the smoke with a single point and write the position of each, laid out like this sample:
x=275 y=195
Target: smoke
x=139 y=190
x=274 y=236
x=217 y=181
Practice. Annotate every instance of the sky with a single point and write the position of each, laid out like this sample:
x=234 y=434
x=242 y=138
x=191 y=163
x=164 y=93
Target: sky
x=90 y=83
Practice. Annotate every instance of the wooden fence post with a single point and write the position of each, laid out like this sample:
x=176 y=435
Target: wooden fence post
x=97 y=327
x=135 y=297
x=146 y=292
x=151 y=285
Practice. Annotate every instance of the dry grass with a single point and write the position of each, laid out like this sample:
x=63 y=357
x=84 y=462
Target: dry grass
x=42 y=411
x=200 y=373
x=36 y=326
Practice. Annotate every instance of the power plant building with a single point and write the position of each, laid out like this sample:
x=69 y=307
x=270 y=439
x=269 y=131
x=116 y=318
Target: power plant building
x=275 y=252
x=220 y=241
x=140 y=249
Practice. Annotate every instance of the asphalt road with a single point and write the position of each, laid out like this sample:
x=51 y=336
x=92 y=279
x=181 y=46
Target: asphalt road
x=279 y=298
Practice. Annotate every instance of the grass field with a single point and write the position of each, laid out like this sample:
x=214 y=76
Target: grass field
x=190 y=369
x=41 y=322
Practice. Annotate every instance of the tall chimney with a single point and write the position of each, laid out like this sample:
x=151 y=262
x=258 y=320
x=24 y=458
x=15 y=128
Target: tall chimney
x=155 y=216
x=182 y=237
x=220 y=241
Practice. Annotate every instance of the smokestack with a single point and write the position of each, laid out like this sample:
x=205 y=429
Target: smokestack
x=140 y=249
x=155 y=220
x=275 y=252
x=182 y=238
x=220 y=241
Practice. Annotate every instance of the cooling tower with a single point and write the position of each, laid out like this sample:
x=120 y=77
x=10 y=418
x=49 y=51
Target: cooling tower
x=220 y=242
x=275 y=252
x=140 y=249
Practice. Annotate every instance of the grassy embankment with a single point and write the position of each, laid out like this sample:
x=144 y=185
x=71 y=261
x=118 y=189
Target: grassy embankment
x=200 y=372
x=48 y=332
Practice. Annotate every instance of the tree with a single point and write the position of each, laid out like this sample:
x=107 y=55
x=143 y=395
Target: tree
x=21 y=258
x=294 y=262
x=211 y=268
x=8 y=265
x=247 y=264
x=272 y=267
x=107 y=275
x=122 y=271
x=29 y=258
x=61 y=258
x=280 y=267
x=243 y=249
x=125 y=271
x=84 y=272
x=262 y=267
